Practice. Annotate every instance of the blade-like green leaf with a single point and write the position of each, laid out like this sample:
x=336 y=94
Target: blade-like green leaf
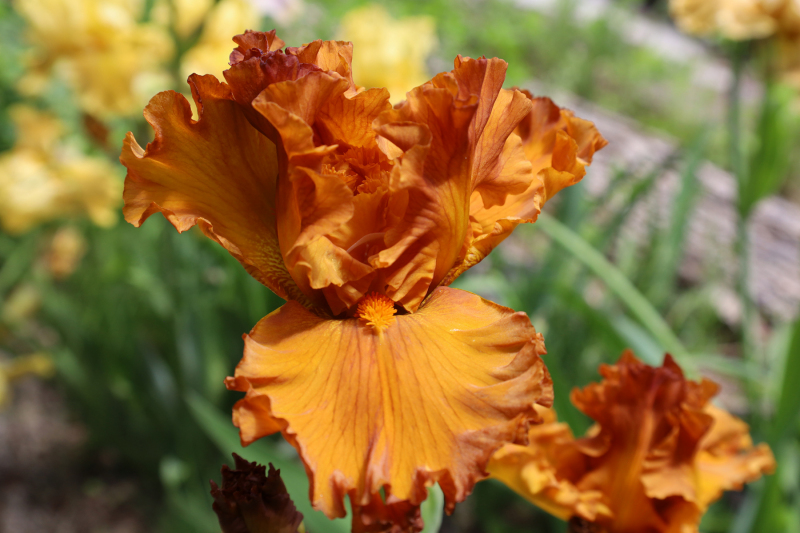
x=787 y=412
x=219 y=429
x=432 y=509
x=637 y=304
x=777 y=139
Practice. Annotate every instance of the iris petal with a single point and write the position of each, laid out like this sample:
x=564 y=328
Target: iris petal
x=217 y=172
x=426 y=400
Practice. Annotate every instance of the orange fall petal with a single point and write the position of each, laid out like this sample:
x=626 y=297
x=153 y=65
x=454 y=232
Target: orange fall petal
x=427 y=400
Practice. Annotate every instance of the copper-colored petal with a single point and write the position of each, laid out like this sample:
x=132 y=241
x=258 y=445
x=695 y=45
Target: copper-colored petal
x=316 y=223
x=431 y=186
x=533 y=471
x=256 y=63
x=331 y=56
x=657 y=457
x=548 y=151
x=727 y=458
x=554 y=138
x=218 y=172
x=426 y=399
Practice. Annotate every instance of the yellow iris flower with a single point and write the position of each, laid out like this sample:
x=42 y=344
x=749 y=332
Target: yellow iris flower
x=110 y=59
x=210 y=54
x=746 y=19
x=389 y=53
x=44 y=178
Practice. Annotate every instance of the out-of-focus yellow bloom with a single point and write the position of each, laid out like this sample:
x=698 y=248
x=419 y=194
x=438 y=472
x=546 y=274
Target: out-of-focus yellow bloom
x=43 y=178
x=210 y=54
x=746 y=19
x=37 y=364
x=659 y=454
x=734 y=19
x=389 y=53
x=20 y=305
x=112 y=61
x=184 y=16
x=67 y=247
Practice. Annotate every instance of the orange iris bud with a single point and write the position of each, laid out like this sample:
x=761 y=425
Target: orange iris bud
x=657 y=457
x=360 y=214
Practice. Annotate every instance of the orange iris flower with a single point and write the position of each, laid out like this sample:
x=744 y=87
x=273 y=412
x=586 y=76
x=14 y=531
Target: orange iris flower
x=383 y=378
x=657 y=457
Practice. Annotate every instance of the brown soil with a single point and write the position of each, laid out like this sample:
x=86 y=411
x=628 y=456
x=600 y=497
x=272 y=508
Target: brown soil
x=44 y=485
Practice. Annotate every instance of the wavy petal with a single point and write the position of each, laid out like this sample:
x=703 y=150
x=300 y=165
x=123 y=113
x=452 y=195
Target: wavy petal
x=727 y=458
x=218 y=172
x=454 y=135
x=558 y=147
x=426 y=400
x=316 y=208
x=330 y=56
x=657 y=457
x=256 y=63
x=533 y=471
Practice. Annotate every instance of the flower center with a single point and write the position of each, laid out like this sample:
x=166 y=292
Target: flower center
x=377 y=310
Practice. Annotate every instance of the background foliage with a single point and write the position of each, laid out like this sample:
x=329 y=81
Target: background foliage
x=146 y=329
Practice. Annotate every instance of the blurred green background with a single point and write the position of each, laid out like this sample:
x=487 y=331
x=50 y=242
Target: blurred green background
x=146 y=325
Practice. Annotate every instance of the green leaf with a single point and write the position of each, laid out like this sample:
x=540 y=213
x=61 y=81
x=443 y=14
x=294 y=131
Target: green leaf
x=669 y=250
x=777 y=140
x=219 y=429
x=18 y=262
x=432 y=509
x=616 y=281
x=787 y=412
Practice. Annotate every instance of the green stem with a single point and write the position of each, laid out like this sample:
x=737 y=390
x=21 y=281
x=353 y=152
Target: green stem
x=739 y=169
x=735 y=115
x=749 y=315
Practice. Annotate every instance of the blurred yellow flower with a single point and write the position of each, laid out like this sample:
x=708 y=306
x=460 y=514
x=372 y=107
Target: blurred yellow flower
x=43 y=178
x=66 y=249
x=210 y=54
x=389 y=53
x=20 y=304
x=184 y=16
x=746 y=19
x=112 y=62
x=38 y=364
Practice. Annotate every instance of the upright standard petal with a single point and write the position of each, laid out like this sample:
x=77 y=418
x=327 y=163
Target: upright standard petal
x=658 y=456
x=258 y=62
x=558 y=147
x=451 y=139
x=402 y=200
x=393 y=402
x=217 y=172
x=326 y=199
